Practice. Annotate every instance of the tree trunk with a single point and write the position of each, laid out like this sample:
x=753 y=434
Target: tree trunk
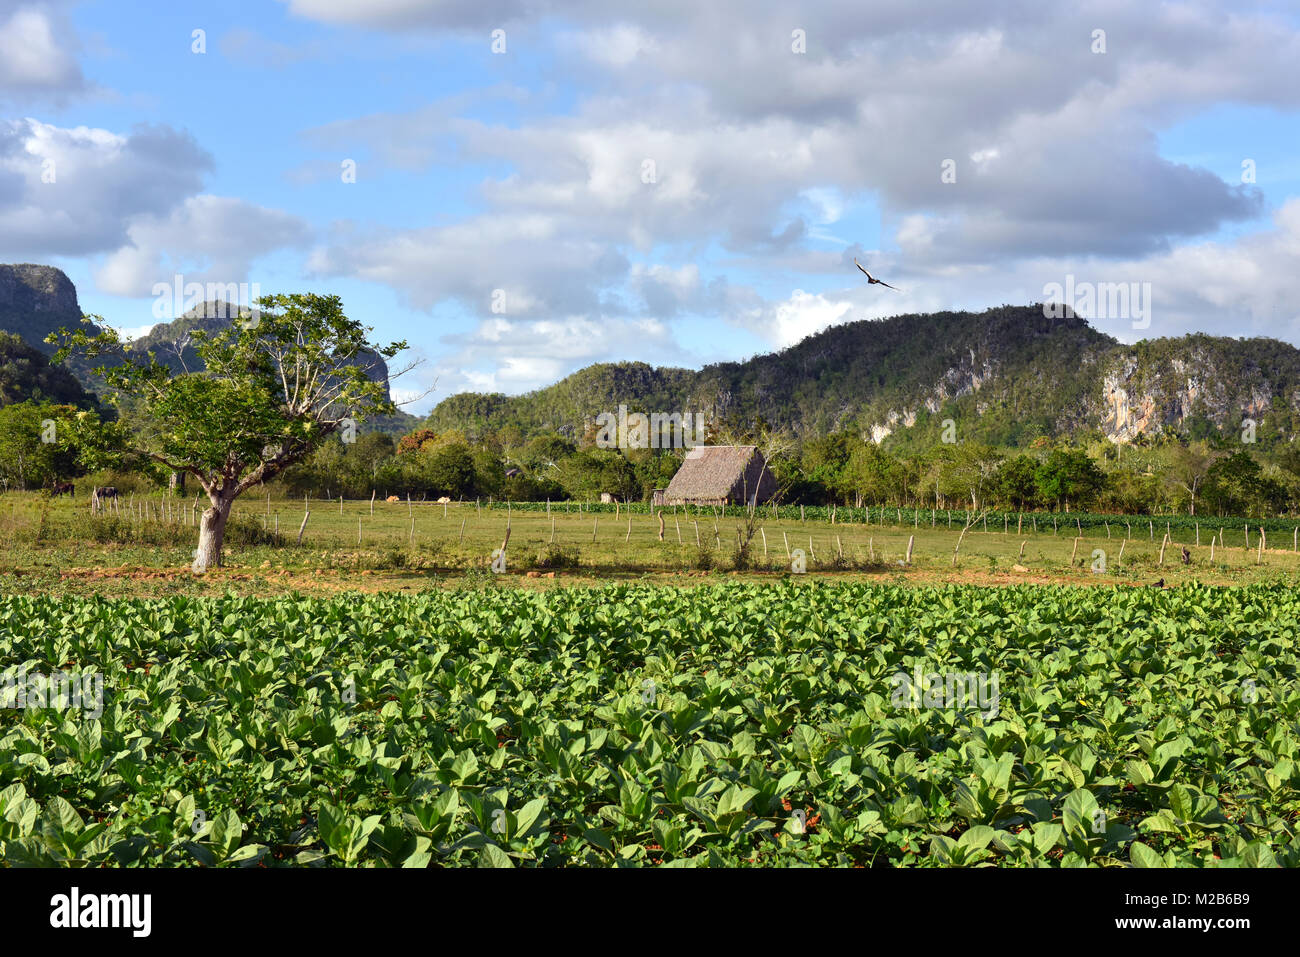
x=212 y=532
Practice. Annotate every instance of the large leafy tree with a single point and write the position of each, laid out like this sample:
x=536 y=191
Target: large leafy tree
x=274 y=385
x=1068 y=475
x=1015 y=482
x=1237 y=485
x=1188 y=467
x=825 y=459
x=874 y=474
x=969 y=471
x=40 y=442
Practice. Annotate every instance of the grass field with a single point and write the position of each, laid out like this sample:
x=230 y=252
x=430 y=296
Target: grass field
x=57 y=544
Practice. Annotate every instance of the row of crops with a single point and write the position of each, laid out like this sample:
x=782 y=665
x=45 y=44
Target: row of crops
x=734 y=724
x=1063 y=523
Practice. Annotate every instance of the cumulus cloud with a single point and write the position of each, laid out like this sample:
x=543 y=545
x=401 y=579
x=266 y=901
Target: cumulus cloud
x=69 y=192
x=703 y=129
x=37 y=51
x=519 y=266
x=205 y=238
x=133 y=202
x=513 y=357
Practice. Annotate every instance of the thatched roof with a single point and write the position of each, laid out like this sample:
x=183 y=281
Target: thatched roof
x=720 y=473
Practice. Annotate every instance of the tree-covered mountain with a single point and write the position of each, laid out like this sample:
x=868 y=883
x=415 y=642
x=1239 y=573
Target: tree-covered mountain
x=26 y=373
x=1005 y=376
x=35 y=301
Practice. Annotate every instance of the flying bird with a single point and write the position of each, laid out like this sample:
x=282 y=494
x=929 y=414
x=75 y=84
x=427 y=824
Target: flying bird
x=872 y=280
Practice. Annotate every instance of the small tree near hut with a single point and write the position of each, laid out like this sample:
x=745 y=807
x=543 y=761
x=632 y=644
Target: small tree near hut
x=283 y=378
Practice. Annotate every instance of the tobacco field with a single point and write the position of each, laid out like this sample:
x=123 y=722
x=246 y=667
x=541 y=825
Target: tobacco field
x=732 y=724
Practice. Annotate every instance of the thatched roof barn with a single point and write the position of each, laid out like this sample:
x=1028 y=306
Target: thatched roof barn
x=721 y=475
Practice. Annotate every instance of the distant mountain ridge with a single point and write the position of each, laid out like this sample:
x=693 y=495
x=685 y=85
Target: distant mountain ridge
x=37 y=300
x=1008 y=376
x=27 y=373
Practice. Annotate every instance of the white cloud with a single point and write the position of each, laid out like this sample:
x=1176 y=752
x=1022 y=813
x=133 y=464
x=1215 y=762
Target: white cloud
x=134 y=332
x=755 y=149
x=35 y=54
x=68 y=192
x=206 y=238
x=133 y=199
x=538 y=270
x=514 y=357
x=801 y=315
x=616 y=46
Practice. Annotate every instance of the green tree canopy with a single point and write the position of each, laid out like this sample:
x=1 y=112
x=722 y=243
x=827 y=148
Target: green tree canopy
x=273 y=387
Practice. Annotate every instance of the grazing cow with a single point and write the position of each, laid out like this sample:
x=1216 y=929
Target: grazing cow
x=444 y=501
x=98 y=495
x=63 y=488
x=393 y=498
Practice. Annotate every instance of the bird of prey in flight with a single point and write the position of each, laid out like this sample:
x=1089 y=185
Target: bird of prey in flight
x=872 y=280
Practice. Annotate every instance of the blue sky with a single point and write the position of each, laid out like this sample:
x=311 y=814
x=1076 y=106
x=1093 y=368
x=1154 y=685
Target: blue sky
x=525 y=171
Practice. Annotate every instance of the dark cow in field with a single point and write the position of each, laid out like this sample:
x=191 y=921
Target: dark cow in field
x=63 y=488
x=98 y=495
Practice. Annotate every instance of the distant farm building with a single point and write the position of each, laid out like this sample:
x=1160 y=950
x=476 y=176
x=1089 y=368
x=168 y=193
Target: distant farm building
x=721 y=475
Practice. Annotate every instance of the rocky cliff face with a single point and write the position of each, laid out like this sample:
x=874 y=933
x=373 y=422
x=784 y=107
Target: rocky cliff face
x=35 y=301
x=966 y=378
x=1174 y=383
x=1126 y=391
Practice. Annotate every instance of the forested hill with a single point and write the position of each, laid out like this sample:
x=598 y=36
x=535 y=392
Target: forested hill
x=26 y=373
x=1007 y=375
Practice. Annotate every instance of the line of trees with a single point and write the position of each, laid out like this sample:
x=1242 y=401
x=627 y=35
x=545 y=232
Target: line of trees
x=1169 y=477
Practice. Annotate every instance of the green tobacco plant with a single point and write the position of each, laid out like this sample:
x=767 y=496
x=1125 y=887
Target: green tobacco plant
x=734 y=724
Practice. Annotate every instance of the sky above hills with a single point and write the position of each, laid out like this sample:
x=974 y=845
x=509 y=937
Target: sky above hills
x=521 y=188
